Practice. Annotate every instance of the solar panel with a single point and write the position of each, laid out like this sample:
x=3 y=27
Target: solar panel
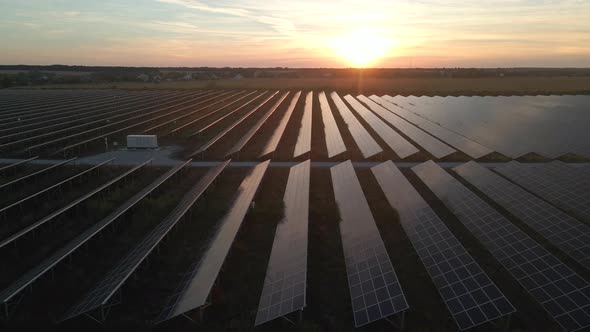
x=365 y=142
x=41 y=171
x=218 y=99
x=120 y=113
x=273 y=141
x=285 y=281
x=561 y=292
x=221 y=118
x=435 y=147
x=561 y=187
x=102 y=293
x=246 y=137
x=334 y=143
x=17 y=117
x=195 y=290
x=60 y=106
x=217 y=137
x=46 y=189
x=177 y=108
x=17 y=163
x=563 y=231
x=303 y=144
x=61 y=119
x=461 y=282
x=28 y=278
x=175 y=130
x=461 y=143
x=21 y=118
x=374 y=287
x=22 y=232
x=395 y=141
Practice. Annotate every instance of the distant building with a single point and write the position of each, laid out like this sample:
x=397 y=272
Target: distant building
x=238 y=77
x=143 y=77
x=157 y=79
x=188 y=77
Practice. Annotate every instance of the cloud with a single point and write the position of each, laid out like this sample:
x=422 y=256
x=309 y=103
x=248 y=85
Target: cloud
x=280 y=25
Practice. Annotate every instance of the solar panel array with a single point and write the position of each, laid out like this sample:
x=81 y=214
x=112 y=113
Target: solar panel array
x=35 y=123
x=563 y=231
x=303 y=144
x=214 y=112
x=26 y=230
x=365 y=142
x=53 y=186
x=565 y=188
x=435 y=147
x=143 y=112
x=246 y=137
x=228 y=114
x=17 y=163
x=195 y=289
x=41 y=171
x=285 y=281
x=469 y=294
x=374 y=287
x=461 y=143
x=232 y=126
x=102 y=293
x=273 y=141
x=561 y=291
x=39 y=270
x=395 y=141
x=334 y=143
x=218 y=99
x=116 y=131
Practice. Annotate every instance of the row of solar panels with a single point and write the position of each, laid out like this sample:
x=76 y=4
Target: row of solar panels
x=381 y=116
x=470 y=295
x=62 y=126
x=119 y=116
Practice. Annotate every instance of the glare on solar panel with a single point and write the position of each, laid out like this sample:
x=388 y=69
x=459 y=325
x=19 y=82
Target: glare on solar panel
x=246 y=137
x=461 y=143
x=285 y=281
x=365 y=142
x=334 y=143
x=274 y=140
x=395 y=141
x=435 y=147
x=303 y=144
x=374 y=287
x=194 y=292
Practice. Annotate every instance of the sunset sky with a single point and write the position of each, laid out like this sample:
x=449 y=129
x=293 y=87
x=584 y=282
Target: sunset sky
x=308 y=33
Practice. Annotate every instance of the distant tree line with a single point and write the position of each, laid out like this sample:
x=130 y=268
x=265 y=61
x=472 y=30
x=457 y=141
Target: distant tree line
x=23 y=75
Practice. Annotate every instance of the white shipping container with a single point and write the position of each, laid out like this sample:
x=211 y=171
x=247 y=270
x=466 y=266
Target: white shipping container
x=142 y=141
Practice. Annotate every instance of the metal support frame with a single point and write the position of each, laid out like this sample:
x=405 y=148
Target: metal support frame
x=100 y=314
x=400 y=324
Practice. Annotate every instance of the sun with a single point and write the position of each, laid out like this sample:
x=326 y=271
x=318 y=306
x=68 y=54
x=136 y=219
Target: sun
x=363 y=47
